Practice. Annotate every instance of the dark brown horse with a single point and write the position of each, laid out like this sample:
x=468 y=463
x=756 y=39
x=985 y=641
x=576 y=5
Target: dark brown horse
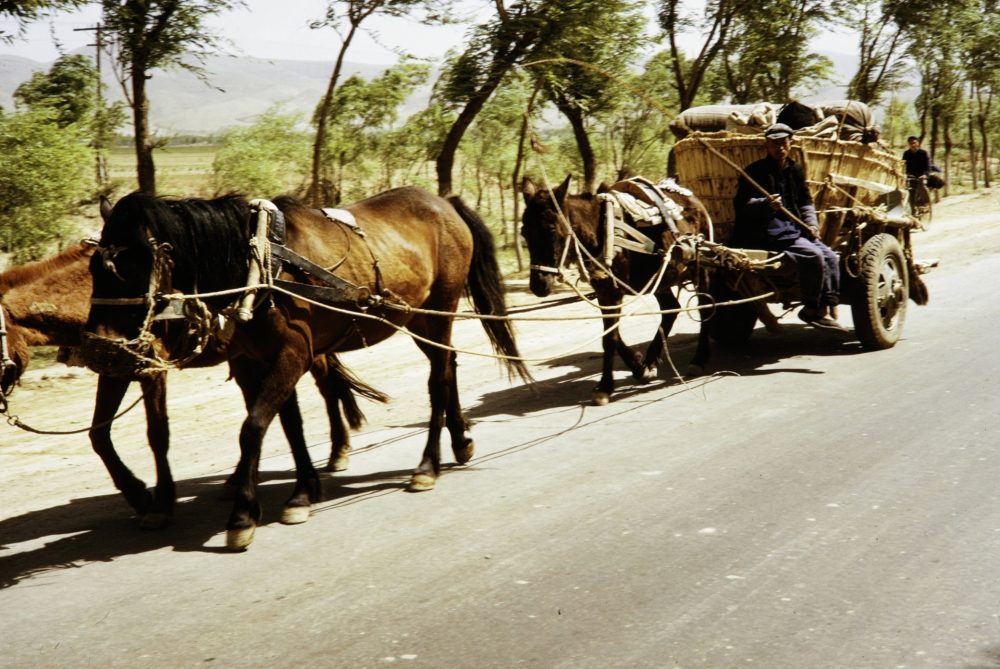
x=549 y=235
x=406 y=262
x=46 y=304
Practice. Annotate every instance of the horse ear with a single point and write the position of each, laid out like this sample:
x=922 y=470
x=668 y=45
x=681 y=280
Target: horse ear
x=528 y=189
x=560 y=192
x=105 y=208
x=603 y=187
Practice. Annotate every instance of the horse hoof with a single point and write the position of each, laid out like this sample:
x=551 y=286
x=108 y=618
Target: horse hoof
x=645 y=375
x=600 y=399
x=240 y=539
x=420 y=482
x=338 y=463
x=694 y=370
x=154 y=521
x=465 y=453
x=294 y=515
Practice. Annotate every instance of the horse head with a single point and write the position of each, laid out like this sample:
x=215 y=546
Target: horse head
x=149 y=248
x=13 y=355
x=546 y=231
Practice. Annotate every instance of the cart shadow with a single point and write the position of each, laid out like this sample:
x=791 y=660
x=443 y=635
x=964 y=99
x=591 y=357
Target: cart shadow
x=766 y=353
x=100 y=529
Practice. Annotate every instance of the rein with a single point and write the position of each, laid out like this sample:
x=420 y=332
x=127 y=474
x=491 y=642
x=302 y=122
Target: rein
x=267 y=254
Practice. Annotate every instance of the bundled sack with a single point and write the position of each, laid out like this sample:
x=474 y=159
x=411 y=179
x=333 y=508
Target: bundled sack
x=934 y=179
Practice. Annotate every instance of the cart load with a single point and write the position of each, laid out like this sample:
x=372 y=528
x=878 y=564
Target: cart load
x=858 y=188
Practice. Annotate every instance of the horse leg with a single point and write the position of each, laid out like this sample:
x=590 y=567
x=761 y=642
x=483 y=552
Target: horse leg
x=331 y=388
x=265 y=394
x=443 y=393
x=667 y=301
x=154 y=397
x=308 y=488
x=462 y=444
x=110 y=391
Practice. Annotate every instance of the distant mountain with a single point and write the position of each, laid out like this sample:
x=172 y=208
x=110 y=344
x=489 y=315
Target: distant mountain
x=236 y=92
x=240 y=89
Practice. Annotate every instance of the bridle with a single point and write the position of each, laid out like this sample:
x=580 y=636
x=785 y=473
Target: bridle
x=141 y=347
x=8 y=368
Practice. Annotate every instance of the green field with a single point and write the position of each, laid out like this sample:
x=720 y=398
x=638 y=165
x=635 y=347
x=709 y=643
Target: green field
x=182 y=170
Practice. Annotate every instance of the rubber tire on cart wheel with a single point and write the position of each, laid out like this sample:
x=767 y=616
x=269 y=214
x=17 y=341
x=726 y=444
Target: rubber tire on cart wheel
x=879 y=307
x=731 y=326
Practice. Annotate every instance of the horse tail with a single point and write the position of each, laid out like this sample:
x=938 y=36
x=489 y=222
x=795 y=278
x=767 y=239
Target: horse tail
x=485 y=287
x=347 y=385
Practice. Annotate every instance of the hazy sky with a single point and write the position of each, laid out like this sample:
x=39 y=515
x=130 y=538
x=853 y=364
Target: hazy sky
x=269 y=29
x=280 y=29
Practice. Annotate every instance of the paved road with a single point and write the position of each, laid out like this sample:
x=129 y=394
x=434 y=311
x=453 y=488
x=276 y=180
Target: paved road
x=808 y=505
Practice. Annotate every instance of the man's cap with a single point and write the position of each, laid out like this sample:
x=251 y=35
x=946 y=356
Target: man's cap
x=778 y=131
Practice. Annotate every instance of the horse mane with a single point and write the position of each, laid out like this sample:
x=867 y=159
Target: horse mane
x=208 y=237
x=33 y=271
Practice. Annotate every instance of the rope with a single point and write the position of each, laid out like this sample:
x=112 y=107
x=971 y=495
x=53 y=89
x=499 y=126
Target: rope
x=16 y=422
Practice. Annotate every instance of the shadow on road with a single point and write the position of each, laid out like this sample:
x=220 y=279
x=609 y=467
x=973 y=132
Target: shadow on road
x=765 y=353
x=99 y=529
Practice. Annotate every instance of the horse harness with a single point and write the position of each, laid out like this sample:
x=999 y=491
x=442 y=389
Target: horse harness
x=268 y=255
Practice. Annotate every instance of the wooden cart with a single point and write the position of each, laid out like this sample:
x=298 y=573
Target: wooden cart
x=860 y=196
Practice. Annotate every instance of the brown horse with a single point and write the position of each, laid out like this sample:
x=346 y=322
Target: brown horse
x=404 y=260
x=548 y=233
x=46 y=304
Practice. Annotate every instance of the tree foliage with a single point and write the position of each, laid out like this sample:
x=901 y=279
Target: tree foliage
x=144 y=35
x=265 y=159
x=43 y=175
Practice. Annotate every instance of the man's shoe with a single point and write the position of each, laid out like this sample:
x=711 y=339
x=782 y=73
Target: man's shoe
x=827 y=323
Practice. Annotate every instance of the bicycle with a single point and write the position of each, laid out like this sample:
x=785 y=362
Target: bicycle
x=920 y=200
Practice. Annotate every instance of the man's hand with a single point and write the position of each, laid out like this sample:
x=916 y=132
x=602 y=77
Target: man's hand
x=774 y=201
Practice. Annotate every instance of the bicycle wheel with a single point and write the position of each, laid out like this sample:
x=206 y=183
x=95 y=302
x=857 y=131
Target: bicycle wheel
x=920 y=203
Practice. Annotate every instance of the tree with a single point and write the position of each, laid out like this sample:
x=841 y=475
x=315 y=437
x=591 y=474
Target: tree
x=268 y=158
x=768 y=55
x=26 y=11
x=359 y=114
x=881 y=67
x=982 y=63
x=589 y=65
x=67 y=89
x=71 y=89
x=716 y=24
x=355 y=12
x=42 y=176
x=513 y=36
x=638 y=134
x=144 y=35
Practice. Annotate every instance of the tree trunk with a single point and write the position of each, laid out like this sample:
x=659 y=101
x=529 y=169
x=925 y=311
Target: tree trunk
x=315 y=193
x=575 y=118
x=507 y=54
x=981 y=120
x=145 y=169
x=973 y=169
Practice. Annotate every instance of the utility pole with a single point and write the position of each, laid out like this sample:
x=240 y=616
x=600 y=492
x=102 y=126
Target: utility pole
x=101 y=162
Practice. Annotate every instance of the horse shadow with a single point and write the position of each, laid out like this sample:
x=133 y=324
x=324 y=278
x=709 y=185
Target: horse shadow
x=764 y=354
x=99 y=529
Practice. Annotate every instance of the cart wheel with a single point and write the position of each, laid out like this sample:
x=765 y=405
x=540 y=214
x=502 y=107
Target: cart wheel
x=731 y=326
x=879 y=308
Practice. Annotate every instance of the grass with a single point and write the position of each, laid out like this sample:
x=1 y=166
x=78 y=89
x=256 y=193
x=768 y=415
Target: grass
x=181 y=170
